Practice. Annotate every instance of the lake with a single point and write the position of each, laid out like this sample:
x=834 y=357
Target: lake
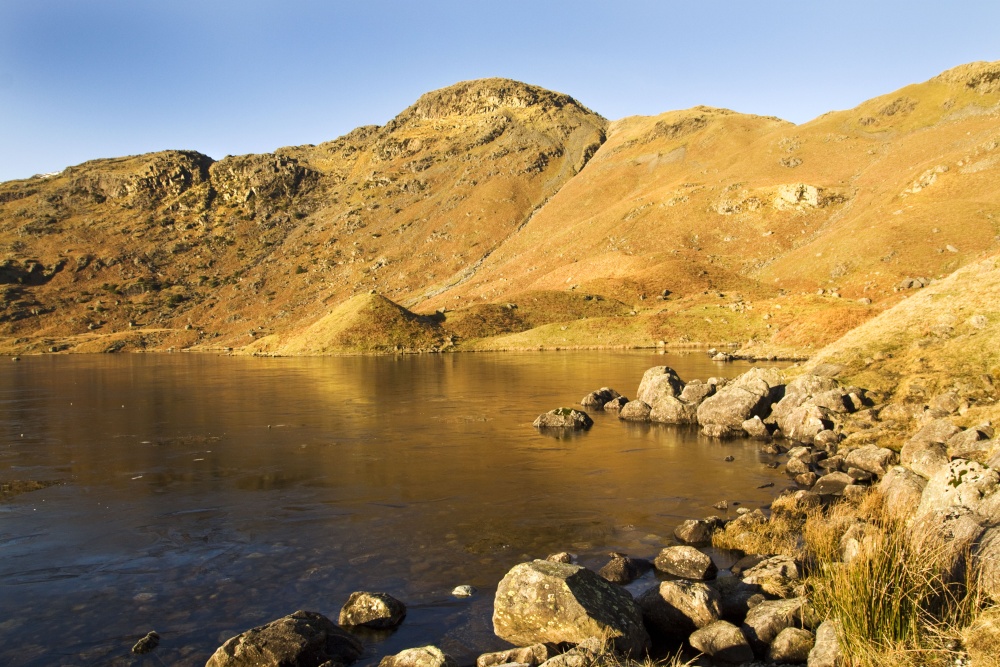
x=199 y=496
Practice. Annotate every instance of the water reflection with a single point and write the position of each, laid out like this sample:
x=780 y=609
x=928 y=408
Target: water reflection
x=200 y=496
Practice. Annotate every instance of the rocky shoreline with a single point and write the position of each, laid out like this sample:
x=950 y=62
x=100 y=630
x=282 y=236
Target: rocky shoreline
x=780 y=602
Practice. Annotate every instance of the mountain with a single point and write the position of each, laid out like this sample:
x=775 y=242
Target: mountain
x=499 y=215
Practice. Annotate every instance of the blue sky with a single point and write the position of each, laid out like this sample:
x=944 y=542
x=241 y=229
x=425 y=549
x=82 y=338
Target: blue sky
x=81 y=79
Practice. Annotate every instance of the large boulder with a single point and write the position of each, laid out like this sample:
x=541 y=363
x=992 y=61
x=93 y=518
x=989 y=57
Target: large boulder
x=564 y=418
x=424 y=656
x=722 y=641
x=753 y=393
x=372 y=610
x=799 y=390
x=301 y=639
x=677 y=608
x=791 y=646
x=973 y=444
x=596 y=399
x=657 y=382
x=926 y=452
x=805 y=422
x=542 y=601
x=960 y=483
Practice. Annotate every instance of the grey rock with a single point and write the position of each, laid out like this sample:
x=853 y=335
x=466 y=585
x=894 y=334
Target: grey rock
x=635 y=411
x=659 y=381
x=876 y=460
x=584 y=654
x=685 y=562
x=826 y=651
x=832 y=484
x=424 y=656
x=670 y=410
x=756 y=428
x=776 y=575
x=301 y=639
x=924 y=458
x=561 y=557
x=463 y=591
x=792 y=646
x=807 y=479
x=902 y=489
x=564 y=418
x=961 y=483
x=532 y=655
x=986 y=555
x=597 y=399
x=723 y=641
x=542 y=601
x=766 y=620
x=805 y=422
x=678 y=608
x=695 y=392
x=147 y=644
x=622 y=569
x=796 y=467
x=372 y=610
x=973 y=444
x=735 y=596
x=615 y=404
x=695 y=531
x=947 y=403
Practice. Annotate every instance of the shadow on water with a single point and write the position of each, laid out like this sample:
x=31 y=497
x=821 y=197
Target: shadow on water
x=202 y=496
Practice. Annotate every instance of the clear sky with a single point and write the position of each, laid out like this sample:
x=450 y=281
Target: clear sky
x=81 y=79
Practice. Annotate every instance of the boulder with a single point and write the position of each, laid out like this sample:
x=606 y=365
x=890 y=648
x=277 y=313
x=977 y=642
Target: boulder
x=635 y=411
x=584 y=654
x=973 y=444
x=833 y=484
x=697 y=391
x=685 y=562
x=622 y=569
x=659 y=381
x=876 y=460
x=961 y=483
x=670 y=410
x=722 y=641
x=542 y=601
x=756 y=428
x=615 y=404
x=776 y=575
x=986 y=555
x=677 y=608
x=752 y=393
x=695 y=531
x=372 y=610
x=301 y=639
x=902 y=489
x=799 y=390
x=767 y=619
x=561 y=557
x=734 y=596
x=597 y=399
x=805 y=422
x=791 y=646
x=826 y=649
x=532 y=655
x=924 y=458
x=564 y=418
x=424 y=656
x=796 y=467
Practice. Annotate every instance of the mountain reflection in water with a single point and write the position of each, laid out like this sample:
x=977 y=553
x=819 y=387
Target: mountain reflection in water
x=199 y=496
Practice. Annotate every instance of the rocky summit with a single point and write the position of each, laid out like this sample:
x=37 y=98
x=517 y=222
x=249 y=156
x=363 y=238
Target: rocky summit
x=497 y=215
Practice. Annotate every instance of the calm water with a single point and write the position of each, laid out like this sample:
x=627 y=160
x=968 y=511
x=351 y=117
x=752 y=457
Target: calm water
x=200 y=496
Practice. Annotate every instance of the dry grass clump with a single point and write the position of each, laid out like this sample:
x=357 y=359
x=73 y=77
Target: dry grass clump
x=781 y=533
x=896 y=601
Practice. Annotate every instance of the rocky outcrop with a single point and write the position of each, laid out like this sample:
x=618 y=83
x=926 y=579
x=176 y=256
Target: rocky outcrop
x=301 y=639
x=542 y=601
x=260 y=180
x=751 y=394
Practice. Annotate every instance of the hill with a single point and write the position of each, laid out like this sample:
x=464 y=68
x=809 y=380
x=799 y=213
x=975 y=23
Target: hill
x=517 y=218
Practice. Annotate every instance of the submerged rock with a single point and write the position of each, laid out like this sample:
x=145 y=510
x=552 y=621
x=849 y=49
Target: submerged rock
x=147 y=643
x=542 y=601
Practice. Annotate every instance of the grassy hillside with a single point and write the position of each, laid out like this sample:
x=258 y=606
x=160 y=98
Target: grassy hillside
x=695 y=226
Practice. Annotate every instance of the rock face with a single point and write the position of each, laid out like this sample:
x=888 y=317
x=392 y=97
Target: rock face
x=542 y=601
x=302 y=639
x=564 y=418
x=425 y=656
x=372 y=610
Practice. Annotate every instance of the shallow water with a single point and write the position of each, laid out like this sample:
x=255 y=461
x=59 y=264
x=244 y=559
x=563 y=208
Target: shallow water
x=200 y=496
